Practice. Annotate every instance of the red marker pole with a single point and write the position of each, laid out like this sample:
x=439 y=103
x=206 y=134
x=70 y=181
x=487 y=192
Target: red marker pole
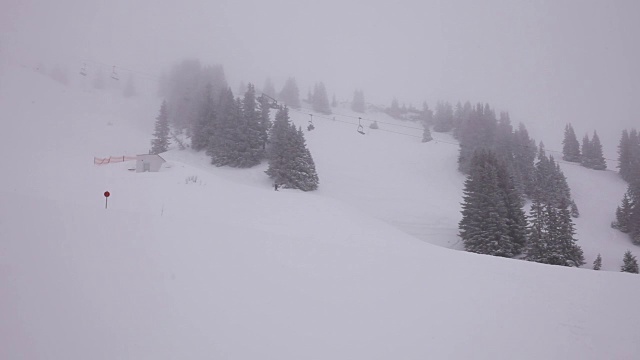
x=106 y=198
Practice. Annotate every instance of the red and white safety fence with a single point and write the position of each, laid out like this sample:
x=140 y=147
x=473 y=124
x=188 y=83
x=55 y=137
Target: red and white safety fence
x=112 y=159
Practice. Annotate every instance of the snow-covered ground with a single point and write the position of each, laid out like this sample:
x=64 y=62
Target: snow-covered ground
x=227 y=268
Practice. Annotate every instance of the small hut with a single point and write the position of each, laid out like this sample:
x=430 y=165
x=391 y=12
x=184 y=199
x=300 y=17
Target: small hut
x=149 y=162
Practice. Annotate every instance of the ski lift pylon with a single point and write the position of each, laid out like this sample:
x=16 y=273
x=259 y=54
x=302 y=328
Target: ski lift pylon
x=360 y=128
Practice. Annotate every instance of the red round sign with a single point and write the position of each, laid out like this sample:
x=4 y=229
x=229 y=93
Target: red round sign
x=106 y=194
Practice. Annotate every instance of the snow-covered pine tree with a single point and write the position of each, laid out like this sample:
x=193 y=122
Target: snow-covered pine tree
x=290 y=94
x=358 y=104
x=426 y=133
x=524 y=159
x=571 y=146
x=485 y=226
x=223 y=143
x=290 y=162
x=160 y=143
x=624 y=156
x=251 y=135
x=264 y=107
x=623 y=214
x=634 y=213
x=204 y=127
x=597 y=158
x=334 y=102
x=629 y=263
x=320 y=99
x=443 y=117
x=597 y=263
x=551 y=229
x=587 y=152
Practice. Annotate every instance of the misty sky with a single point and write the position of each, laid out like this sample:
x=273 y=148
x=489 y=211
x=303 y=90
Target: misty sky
x=547 y=62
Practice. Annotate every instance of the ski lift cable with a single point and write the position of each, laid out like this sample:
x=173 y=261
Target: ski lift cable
x=337 y=114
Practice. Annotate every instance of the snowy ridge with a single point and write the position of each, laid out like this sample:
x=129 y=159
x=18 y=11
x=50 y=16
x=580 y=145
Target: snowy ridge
x=227 y=268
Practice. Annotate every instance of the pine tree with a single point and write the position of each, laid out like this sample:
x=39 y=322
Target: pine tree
x=587 y=153
x=358 y=104
x=597 y=158
x=320 y=100
x=265 y=120
x=624 y=155
x=426 y=133
x=551 y=231
x=334 y=102
x=204 y=127
x=251 y=147
x=623 y=214
x=223 y=144
x=290 y=162
x=443 y=117
x=160 y=143
x=290 y=94
x=597 y=263
x=488 y=225
x=571 y=146
x=630 y=263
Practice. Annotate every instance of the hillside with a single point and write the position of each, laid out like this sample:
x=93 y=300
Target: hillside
x=225 y=267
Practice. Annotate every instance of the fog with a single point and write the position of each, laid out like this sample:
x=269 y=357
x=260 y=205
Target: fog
x=546 y=62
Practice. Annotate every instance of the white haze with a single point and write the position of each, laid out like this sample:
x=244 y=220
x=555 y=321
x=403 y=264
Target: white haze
x=547 y=62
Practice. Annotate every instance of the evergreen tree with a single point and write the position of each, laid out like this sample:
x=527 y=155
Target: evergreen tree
x=265 y=120
x=251 y=147
x=551 y=231
x=571 y=146
x=629 y=263
x=334 y=102
x=426 y=133
x=290 y=94
x=290 y=162
x=129 y=88
x=394 y=111
x=443 y=117
x=358 y=104
x=629 y=155
x=634 y=213
x=160 y=143
x=320 y=100
x=204 y=127
x=492 y=221
x=586 y=152
x=524 y=158
x=597 y=263
x=623 y=214
x=597 y=158
x=223 y=144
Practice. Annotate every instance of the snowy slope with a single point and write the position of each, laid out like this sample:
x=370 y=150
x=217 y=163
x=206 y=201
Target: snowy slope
x=227 y=268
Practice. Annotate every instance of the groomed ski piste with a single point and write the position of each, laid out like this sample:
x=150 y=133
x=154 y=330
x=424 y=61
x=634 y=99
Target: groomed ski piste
x=199 y=262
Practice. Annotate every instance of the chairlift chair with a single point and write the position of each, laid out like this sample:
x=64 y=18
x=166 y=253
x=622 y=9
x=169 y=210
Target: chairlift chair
x=311 y=126
x=360 y=127
x=114 y=74
x=83 y=70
